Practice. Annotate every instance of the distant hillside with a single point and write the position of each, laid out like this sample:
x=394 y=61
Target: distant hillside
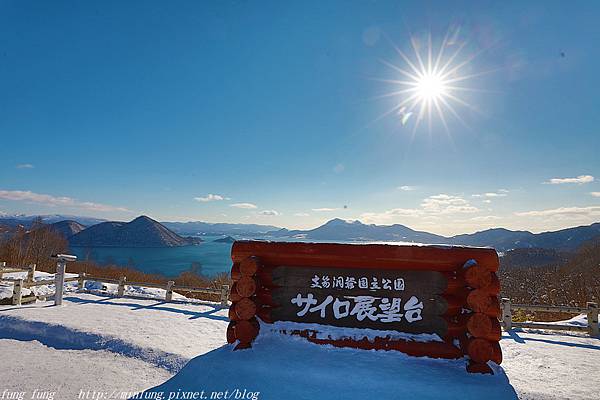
x=141 y=232
x=226 y=239
x=534 y=257
x=338 y=229
x=501 y=239
x=67 y=228
x=206 y=228
x=27 y=220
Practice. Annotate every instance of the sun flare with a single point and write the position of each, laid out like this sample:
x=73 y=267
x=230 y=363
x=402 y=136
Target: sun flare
x=431 y=87
x=427 y=84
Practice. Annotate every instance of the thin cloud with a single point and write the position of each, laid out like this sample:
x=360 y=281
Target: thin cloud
x=499 y=193
x=447 y=204
x=210 y=197
x=57 y=201
x=325 y=209
x=562 y=212
x=301 y=215
x=245 y=206
x=595 y=194
x=407 y=188
x=269 y=213
x=25 y=166
x=580 y=180
x=431 y=207
x=339 y=168
x=486 y=218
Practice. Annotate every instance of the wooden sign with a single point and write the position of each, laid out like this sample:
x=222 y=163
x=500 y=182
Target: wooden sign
x=451 y=292
x=405 y=301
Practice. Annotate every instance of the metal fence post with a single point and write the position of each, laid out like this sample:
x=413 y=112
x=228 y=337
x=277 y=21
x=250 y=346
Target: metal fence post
x=169 y=291
x=592 y=318
x=224 y=295
x=506 y=314
x=81 y=282
x=17 y=292
x=121 y=289
x=31 y=273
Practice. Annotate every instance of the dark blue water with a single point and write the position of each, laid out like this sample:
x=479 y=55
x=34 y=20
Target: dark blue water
x=208 y=258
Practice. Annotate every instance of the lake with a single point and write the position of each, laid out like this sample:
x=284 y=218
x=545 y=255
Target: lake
x=211 y=257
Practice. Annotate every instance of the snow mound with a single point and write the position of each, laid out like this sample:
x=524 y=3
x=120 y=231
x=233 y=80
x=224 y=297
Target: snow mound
x=283 y=367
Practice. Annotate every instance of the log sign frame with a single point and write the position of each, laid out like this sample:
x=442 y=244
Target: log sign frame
x=448 y=291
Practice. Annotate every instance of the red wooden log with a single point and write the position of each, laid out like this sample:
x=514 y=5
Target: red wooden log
x=231 y=314
x=245 y=331
x=246 y=286
x=494 y=310
x=235 y=272
x=477 y=276
x=416 y=349
x=480 y=350
x=265 y=277
x=479 y=368
x=455 y=330
x=242 y=346
x=264 y=313
x=479 y=325
x=455 y=305
x=233 y=294
x=454 y=282
x=497 y=358
x=358 y=256
x=460 y=292
x=249 y=266
x=231 y=332
x=245 y=309
x=496 y=333
x=494 y=287
x=479 y=301
x=265 y=297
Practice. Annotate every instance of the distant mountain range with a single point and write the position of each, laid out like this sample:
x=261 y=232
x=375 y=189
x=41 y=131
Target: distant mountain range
x=499 y=238
x=146 y=232
x=192 y=228
x=141 y=232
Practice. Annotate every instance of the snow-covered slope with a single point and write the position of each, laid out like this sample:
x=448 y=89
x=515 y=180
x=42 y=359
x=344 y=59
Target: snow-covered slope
x=105 y=343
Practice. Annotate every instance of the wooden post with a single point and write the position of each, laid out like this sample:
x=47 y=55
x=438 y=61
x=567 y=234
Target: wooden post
x=592 y=318
x=31 y=273
x=506 y=314
x=121 y=289
x=17 y=293
x=169 y=293
x=81 y=282
x=224 y=295
x=59 y=282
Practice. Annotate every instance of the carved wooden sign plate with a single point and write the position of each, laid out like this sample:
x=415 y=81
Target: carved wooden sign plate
x=400 y=300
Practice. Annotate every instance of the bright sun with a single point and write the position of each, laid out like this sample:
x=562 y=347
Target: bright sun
x=428 y=84
x=430 y=87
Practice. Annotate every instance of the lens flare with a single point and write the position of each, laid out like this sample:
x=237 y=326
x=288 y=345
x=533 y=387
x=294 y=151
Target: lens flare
x=427 y=84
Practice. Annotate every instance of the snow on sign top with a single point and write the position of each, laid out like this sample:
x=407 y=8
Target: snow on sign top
x=449 y=292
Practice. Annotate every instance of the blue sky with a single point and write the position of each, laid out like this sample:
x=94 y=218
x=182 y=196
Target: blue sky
x=267 y=112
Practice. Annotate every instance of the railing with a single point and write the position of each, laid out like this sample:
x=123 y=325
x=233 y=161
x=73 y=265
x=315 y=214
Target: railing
x=591 y=310
x=169 y=287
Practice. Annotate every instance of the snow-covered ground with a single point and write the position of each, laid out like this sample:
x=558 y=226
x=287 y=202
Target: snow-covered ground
x=107 y=345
